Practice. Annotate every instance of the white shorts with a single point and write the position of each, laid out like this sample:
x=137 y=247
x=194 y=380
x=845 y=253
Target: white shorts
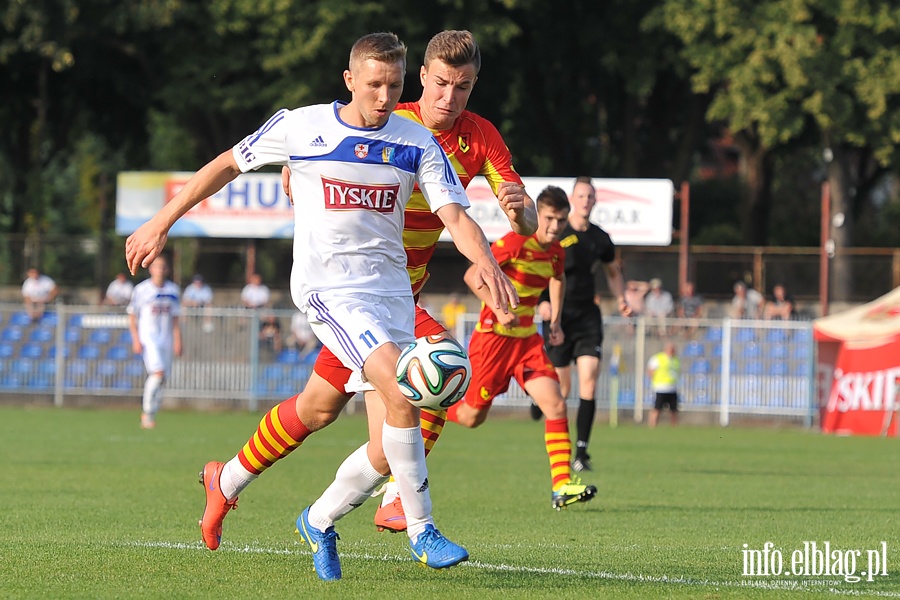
x=157 y=357
x=354 y=325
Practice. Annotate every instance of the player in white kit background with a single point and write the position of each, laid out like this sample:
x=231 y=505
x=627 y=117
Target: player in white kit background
x=353 y=168
x=153 y=318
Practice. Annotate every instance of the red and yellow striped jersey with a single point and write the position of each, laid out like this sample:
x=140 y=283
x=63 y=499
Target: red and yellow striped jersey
x=530 y=267
x=474 y=147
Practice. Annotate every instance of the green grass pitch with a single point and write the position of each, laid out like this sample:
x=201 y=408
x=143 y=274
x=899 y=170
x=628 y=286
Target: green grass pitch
x=93 y=507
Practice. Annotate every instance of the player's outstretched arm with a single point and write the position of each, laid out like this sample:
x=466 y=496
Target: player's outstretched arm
x=147 y=242
x=518 y=207
x=470 y=241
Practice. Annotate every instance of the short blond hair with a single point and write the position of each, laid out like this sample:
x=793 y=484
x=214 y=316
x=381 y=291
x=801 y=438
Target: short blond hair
x=455 y=48
x=382 y=47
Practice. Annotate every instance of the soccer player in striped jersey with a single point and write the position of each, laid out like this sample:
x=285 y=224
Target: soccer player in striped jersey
x=507 y=345
x=474 y=146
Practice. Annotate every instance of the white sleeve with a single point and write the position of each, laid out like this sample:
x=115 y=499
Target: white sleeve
x=438 y=180
x=265 y=146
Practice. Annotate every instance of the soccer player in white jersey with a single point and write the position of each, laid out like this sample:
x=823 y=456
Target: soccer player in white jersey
x=353 y=167
x=153 y=315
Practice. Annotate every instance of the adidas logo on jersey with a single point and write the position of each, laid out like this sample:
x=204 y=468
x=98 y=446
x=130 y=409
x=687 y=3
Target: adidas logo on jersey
x=318 y=142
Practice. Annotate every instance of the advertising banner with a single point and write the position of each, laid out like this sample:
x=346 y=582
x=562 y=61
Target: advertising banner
x=632 y=211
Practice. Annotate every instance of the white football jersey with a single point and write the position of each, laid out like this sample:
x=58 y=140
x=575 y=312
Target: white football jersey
x=155 y=307
x=350 y=187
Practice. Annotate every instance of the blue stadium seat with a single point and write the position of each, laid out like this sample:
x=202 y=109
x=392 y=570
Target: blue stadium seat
x=89 y=352
x=7 y=350
x=9 y=380
x=118 y=353
x=716 y=351
x=778 y=352
x=13 y=333
x=778 y=368
x=23 y=366
x=107 y=368
x=77 y=368
x=100 y=336
x=49 y=320
x=125 y=338
x=776 y=335
x=714 y=334
x=750 y=350
x=122 y=383
x=47 y=367
x=20 y=319
x=802 y=369
x=753 y=367
x=801 y=352
x=699 y=367
x=134 y=368
x=744 y=334
x=288 y=356
x=74 y=321
x=693 y=349
x=51 y=352
x=41 y=335
x=626 y=398
x=32 y=351
x=73 y=335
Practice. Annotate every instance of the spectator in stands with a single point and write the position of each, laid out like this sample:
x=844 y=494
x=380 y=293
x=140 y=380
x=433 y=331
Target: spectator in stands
x=781 y=306
x=38 y=290
x=255 y=294
x=199 y=295
x=302 y=336
x=451 y=311
x=747 y=302
x=155 y=333
x=664 y=369
x=635 y=291
x=658 y=304
x=690 y=306
x=270 y=334
x=118 y=292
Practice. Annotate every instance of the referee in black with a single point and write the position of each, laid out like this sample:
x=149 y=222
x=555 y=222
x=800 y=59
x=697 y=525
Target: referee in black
x=589 y=250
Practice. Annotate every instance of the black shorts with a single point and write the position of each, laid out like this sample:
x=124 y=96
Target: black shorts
x=667 y=398
x=583 y=337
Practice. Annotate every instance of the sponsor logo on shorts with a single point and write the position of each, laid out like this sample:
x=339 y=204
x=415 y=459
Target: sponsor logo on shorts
x=423 y=487
x=344 y=195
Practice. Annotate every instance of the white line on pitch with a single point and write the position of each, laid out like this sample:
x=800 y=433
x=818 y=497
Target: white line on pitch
x=785 y=585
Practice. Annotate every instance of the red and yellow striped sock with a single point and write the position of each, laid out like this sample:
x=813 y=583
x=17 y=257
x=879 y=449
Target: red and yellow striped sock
x=432 y=423
x=559 y=449
x=279 y=433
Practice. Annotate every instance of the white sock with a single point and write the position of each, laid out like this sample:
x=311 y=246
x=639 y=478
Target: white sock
x=390 y=493
x=405 y=453
x=353 y=483
x=235 y=478
x=150 y=400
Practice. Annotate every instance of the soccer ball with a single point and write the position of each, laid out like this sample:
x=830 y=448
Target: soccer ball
x=434 y=372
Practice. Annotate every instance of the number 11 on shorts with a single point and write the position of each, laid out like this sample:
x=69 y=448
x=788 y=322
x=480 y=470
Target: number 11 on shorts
x=368 y=338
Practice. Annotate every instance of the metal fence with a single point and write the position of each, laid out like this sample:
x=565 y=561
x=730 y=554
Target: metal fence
x=728 y=366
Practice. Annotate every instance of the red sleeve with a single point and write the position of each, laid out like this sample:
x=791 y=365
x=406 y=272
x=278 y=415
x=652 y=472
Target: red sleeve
x=497 y=166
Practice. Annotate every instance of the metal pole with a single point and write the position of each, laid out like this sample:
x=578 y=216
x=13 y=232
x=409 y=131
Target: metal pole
x=825 y=240
x=639 y=366
x=684 y=236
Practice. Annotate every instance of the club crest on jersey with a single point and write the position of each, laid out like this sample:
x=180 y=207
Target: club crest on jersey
x=347 y=195
x=361 y=151
x=387 y=155
x=464 y=142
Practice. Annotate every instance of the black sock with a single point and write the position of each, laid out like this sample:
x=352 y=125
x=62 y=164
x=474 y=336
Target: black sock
x=584 y=422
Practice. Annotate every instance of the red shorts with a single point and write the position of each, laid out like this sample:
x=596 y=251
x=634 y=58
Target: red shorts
x=332 y=370
x=496 y=359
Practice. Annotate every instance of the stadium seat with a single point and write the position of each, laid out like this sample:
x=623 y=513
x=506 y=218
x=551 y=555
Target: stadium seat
x=693 y=350
x=73 y=335
x=118 y=353
x=134 y=368
x=7 y=350
x=288 y=356
x=20 y=319
x=32 y=351
x=47 y=367
x=77 y=368
x=125 y=338
x=802 y=369
x=107 y=368
x=49 y=320
x=750 y=350
x=74 y=321
x=13 y=333
x=100 y=336
x=89 y=352
x=310 y=359
x=776 y=335
x=699 y=367
x=744 y=335
x=23 y=366
x=51 y=352
x=714 y=334
x=41 y=335
x=9 y=380
x=753 y=367
x=778 y=352
x=716 y=350
x=626 y=398
x=801 y=352
x=122 y=383
x=778 y=368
